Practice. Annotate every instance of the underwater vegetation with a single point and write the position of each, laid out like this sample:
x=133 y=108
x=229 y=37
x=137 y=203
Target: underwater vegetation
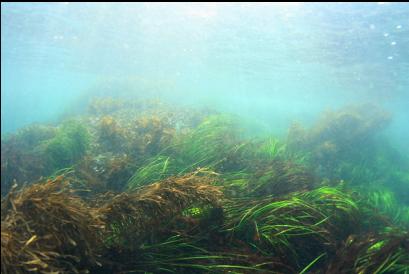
x=132 y=215
x=44 y=228
x=144 y=187
x=68 y=146
x=337 y=134
x=19 y=160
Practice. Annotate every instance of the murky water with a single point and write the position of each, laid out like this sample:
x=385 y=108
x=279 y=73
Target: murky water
x=274 y=134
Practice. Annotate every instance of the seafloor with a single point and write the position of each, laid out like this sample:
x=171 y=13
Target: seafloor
x=138 y=186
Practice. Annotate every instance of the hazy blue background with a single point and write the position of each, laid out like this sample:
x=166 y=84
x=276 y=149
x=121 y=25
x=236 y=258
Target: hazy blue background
x=273 y=62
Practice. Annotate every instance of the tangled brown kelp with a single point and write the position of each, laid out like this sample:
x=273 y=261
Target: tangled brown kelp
x=45 y=228
x=168 y=226
x=140 y=128
x=140 y=137
x=110 y=134
x=143 y=216
x=105 y=172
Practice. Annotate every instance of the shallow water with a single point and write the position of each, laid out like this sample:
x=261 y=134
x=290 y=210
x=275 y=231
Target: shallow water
x=276 y=62
x=278 y=99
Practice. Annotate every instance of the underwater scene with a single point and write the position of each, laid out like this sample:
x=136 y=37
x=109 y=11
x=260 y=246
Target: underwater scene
x=205 y=138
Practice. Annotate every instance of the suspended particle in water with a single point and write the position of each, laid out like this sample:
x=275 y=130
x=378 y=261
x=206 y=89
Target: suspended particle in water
x=386 y=34
x=390 y=57
x=393 y=43
x=372 y=26
x=399 y=26
x=58 y=37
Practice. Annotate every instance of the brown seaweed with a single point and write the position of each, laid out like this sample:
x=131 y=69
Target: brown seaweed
x=146 y=215
x=45 y=228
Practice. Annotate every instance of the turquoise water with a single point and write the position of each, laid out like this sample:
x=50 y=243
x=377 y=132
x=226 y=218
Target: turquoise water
x=273 y=62
x=205 y=138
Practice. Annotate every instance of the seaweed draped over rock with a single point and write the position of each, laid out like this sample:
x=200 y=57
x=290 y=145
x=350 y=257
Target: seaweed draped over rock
x=45 y=228
x=146 y=215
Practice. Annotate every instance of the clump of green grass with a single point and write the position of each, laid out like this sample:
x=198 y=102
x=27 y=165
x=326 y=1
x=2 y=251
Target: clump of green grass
x=155 y=169
x=276 y=178
x=180 y=254
x=68 y=146
x=384 y=201
x=299 y=227
x=210 y=143
x=274 y=149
